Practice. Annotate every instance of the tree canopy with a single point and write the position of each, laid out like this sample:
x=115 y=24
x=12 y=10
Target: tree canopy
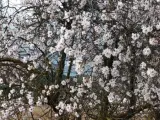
x=92 y=58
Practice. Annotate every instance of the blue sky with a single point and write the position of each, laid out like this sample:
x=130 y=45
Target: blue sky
x=12 y=2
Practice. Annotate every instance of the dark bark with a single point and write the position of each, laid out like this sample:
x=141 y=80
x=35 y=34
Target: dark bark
x=70 y=67
x=61 y=64
x=53 y=98
x=132 y=85
x=157 y=114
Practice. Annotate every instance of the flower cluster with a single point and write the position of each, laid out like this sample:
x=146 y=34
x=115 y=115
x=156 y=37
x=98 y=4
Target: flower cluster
x=80 y=57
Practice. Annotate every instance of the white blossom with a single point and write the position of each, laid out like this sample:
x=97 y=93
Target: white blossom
x=158 y=25
x=106 y=88
x=1 y=81
x=105 y=71
x=153 y=41
x=98 y=59
x=69 y=108
x=116 y=63
x=12 y=91
x=101 y=82
x=85 y=23
x=107 y=52
x=114 y=72
x=146 y=51
x=111 y=97
x=120 y=5
x=143 y=65
x=151 y=72
x=76 y=114
x=52 y=49
x=31 y=108
x=135 y=36
x=147 y=29
x=63 y=82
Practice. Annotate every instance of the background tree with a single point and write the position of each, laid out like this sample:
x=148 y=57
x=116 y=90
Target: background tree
x=112 y=47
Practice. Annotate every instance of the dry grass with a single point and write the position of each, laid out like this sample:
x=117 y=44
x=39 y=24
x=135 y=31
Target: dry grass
x=45 y=113
x=39 y=113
